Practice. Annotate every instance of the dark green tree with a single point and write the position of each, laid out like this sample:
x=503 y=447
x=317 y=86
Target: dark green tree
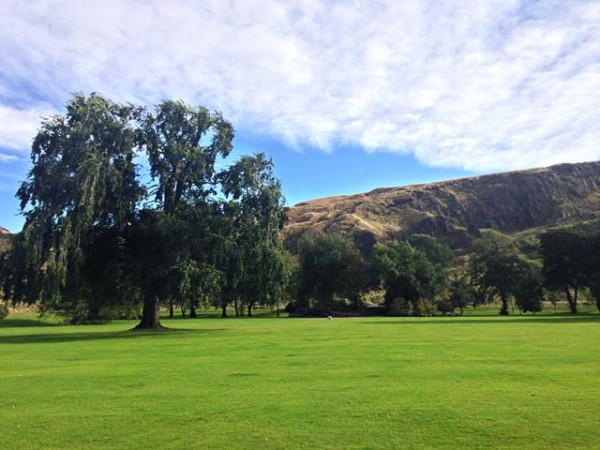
x=438 y=253
x=595 y=292
x=568 y=261
x=182 y=144
x=329 y=267
x=406 y=273
x=79 y=197
x=254 y=253
x=593 y=280
x=97 y=241
x=496 y=268
x=461 y=293
x=529 y=291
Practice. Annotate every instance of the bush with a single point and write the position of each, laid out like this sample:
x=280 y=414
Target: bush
x=399 y=307
x=445 y=307
x=3 y=310
x=425 y=308
x=378 y=310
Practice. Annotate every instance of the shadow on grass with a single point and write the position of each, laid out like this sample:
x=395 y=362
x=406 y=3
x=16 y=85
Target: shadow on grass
x=492 y=320
x=202 y=316
x=53 y=338
x=26 y=323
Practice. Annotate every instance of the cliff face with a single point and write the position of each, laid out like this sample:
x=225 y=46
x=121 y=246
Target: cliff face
x=456 y=210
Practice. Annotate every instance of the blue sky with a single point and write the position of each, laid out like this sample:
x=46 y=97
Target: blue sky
x=345 y=96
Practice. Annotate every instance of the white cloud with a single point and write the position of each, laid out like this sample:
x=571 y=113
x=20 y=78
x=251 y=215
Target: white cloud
x=19 y=126
x=482 y=85
x=7 y=158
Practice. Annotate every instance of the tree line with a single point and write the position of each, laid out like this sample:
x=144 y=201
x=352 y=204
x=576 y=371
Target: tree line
x=422 y=276
x=129 y=209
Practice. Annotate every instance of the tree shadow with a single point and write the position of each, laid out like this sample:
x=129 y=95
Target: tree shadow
x=26 y=323
x=492 y=320
x=53 y=338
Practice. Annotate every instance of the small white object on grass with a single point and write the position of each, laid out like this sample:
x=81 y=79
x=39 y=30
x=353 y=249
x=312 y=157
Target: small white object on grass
x=329 y=318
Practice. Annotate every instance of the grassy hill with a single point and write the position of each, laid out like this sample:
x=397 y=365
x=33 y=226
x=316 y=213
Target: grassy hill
x=522 y=204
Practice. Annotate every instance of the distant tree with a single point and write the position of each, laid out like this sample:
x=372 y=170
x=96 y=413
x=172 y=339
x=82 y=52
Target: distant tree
x=529 y=291
x=594 y=269
x=595 y=292
x=552 y=296
x=496 y=268
x=568 y=260
x=329 y=266
x=3 y=310
x=438 y=253
x=405 y=273
x=461 y=294
x=258 y=213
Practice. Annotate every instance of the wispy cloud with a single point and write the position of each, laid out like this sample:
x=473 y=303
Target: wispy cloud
x=481 y=85
x=7 y=158
x=19 y=126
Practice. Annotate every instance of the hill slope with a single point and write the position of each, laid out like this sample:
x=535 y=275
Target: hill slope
x=4 y=239
x=456 y=210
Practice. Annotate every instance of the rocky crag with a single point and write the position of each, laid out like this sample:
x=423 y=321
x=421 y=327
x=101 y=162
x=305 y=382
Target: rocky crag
x=519 y=203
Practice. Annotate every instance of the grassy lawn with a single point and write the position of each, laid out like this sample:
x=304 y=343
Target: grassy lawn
x=446 y=382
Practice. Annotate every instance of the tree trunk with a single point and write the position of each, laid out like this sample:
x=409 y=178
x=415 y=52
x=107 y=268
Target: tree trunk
x=150 y=314
x=182 y=311
x=171 y=312
x=237 y=311
x=572 y=301
x=249 y=309
x=192 y=312
x=224 y=310
x=504 y=309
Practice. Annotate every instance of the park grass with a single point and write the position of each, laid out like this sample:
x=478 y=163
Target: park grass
x=522 y=382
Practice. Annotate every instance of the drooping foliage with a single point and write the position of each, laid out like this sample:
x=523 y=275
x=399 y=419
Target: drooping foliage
x=255 y=260
x=100 y=236
x=79 y=196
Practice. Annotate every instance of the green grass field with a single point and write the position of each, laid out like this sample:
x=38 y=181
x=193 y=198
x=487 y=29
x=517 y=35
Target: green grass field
x=455 y=382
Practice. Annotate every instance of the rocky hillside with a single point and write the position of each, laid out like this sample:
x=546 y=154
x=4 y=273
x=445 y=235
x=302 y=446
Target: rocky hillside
x=456 y=210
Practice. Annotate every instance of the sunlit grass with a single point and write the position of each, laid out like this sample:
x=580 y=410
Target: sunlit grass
x=447 y=382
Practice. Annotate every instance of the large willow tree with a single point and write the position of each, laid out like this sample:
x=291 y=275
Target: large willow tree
x=79 y=197
x=98 y=236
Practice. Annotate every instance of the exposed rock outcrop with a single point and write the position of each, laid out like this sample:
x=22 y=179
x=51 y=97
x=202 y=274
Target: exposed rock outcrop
x=456 y=210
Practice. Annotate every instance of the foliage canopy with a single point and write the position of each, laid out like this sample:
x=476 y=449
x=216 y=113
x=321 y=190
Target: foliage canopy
x=100 y=236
